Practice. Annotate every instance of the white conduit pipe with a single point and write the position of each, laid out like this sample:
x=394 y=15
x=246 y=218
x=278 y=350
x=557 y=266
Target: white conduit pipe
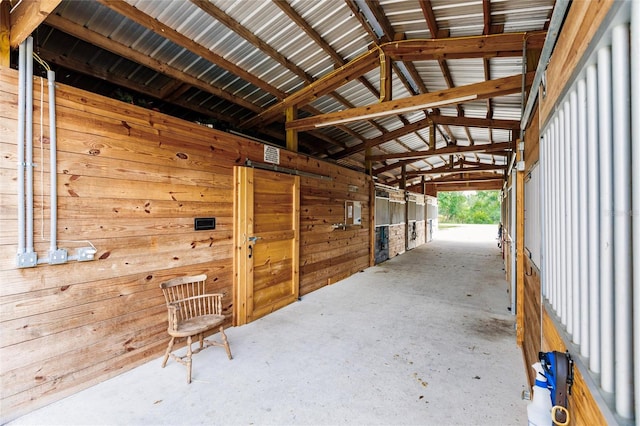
x=605 y=143
x=53 y=153
x=635 y=135
x=594 y=218
x=568 y=273
x=635 y=170
x=29 y=146
x=21 y=126
x=583 y=232
x=622 y=222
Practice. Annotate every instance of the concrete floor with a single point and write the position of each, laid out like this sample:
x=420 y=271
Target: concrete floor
x=424 y=338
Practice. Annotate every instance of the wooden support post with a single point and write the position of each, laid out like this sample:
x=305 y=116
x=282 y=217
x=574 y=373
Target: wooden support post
x=368 y=164
x=386 y=73
x=432 y=136
x=423 y=185
x=5 y=33
x=403 y=179
x=291 y=114
x=519 y=253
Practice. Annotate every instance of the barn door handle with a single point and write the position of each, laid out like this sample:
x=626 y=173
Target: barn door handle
x=250 y=251
x=254 y=238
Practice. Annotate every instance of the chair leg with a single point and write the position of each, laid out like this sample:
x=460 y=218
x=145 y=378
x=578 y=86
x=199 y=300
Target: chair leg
x=169 y=349
x=201 y=338
x=225 y=342
x=189 y=353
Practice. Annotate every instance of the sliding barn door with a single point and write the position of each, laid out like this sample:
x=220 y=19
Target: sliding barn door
x=266 y=220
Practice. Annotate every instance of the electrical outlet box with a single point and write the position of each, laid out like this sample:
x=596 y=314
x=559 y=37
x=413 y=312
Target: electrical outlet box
x=85 y=254
x=27 y=260
x=58 y=257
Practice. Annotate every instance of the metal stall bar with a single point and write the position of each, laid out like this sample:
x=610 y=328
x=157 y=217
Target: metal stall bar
x=593 y=218
x=574 y=219
x=605 y=143
x=567 y=284
x=583 y=231
x=562 y=178
x=622 y=220
x=556 y=213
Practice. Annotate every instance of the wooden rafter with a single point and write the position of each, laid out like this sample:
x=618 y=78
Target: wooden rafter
x=134 y=14
x=496 y=147
x=389 y=136
x=476 y=91
x=413 y=50
x=445 y=170
x=26 y=17
x=126 y=52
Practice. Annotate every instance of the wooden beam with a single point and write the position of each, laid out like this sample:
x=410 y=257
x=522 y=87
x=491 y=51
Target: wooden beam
x=498 y=45
x=125 y=9
x=446 y=150
x=445 y=170
x=453 y=96
x=119 y=49
x=386 y=137
x=27 y=16
x=489 y=185
x=491 y=123
x=484 y=46
x=5 y=34
x=467 y=177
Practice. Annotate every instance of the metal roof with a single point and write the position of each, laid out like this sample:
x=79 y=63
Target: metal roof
x=255 y=54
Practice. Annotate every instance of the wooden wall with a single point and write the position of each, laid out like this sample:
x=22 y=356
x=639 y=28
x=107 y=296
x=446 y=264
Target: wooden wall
x=131 y=181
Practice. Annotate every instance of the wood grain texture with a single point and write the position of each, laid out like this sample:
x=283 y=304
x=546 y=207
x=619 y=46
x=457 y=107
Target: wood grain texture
x=131 y=181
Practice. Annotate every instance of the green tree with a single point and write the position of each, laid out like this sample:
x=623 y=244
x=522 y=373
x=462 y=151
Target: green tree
x=470 y=207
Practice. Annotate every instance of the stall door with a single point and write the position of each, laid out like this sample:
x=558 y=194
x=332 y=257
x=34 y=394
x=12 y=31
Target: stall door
x=266 y=235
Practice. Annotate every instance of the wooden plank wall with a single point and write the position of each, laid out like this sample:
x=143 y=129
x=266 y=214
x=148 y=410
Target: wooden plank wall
x=131 y=181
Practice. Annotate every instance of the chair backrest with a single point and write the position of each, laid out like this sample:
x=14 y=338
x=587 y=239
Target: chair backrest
x=185 y=294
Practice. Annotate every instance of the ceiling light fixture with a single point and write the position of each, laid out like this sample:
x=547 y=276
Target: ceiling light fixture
x=409 y=108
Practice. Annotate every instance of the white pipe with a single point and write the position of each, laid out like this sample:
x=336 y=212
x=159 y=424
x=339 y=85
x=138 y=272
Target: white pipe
x=635 y=170
x=574 y=219
x=556 y=222
x=21 y=126
x=605 y=143
x=622 y=222
x=563 y=157
x=29 y=146
x=583 y=231
x=594 y=218
x=635 y=146
x=567 y=288
x=53 y=161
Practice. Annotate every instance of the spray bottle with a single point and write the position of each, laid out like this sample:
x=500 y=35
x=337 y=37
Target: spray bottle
x=539 y=409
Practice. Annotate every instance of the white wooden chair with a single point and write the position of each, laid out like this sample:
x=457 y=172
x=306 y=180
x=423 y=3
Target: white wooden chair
x=192 y=312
